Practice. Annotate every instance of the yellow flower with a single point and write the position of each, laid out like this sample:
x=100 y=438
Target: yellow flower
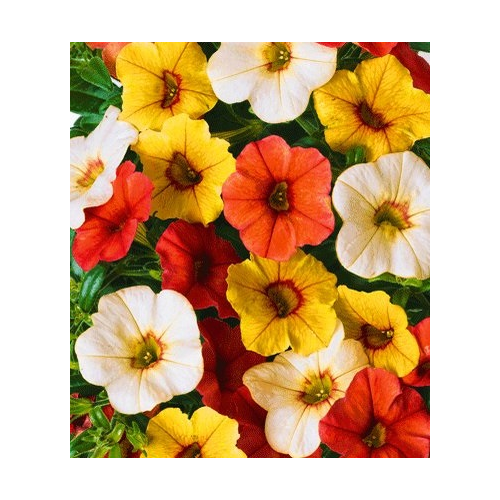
x=161 y=80
x=375 y=107
x=207 y=435
x=283 y=303
x=381 y=327
x=187 y=168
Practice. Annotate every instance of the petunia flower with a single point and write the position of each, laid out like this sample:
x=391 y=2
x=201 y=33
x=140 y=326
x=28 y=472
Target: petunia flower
x=277 y=78
x=144 y=348
x=375 y=107
x=385 y=207
x=93 y=163
x=187 y=167
x=299 y=390
x=421 y=375
x=279 y=198
x=161 y=80
x=206 y=435
x=194 y=261
x=381 y=327
x=109 y=229
x=378 y=418
x=283 y=304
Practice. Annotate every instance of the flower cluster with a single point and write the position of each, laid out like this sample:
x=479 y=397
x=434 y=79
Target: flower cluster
x=250 y=264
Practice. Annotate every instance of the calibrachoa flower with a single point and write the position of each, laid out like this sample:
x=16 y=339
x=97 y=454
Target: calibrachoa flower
x=381 y=327
x=375 y=107
x=283 y=303
x=93 y=163
x=385 y=207
x=161 y=80
x=109 y=229
x=277 y=78
x=378 y=418
x=187 y=167
x=194 y=262
x=206 y=435
x=298 y=391
x=144 y=348
x=421 y=375
x=279 y=198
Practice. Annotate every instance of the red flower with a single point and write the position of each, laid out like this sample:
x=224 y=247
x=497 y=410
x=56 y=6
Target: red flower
x=332 y=44
x=109 y=229
x=194 y=262
x=421 y=375
x=378 y=418
x=279 y=198
x=378 y=49
x=419 y=68
x=110 y=51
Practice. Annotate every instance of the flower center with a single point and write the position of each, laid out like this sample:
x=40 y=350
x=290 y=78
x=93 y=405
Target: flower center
x=94 y=168
x=392 y=216
x=373 y=120
x=147 y=353
x=192 y=451
x=317 y=389
x=278 y=56
x=376 y=437
x=181 y=173
x=375 y=338
x=201 y=268
x=278 y=199
x=284 y=297
x=170 y=89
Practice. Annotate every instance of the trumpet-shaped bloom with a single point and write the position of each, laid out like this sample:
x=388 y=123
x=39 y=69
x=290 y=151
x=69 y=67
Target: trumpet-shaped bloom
x=381 y=327
x=109 y=229
x=171 y=434
x=375 y=107
x=421 y=375
x=93 y=163
x=378 y=418
x=161 y=80
x=276 y=77
x=283 y=303
x=299 y=390
x=144 y=348
x=279 y=198
x=385 y=207
x=194 y=262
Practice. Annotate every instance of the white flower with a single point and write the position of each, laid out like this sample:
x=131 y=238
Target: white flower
x=93 y=163
x=276 y=77
x=144 y=348
x=299 y=390
x=385 y=208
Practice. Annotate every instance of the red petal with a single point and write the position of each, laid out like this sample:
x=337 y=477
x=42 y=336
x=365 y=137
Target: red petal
x=332 y=44
x=378 y=48
x=97 y=45
x=420 y=69
x=421 y=375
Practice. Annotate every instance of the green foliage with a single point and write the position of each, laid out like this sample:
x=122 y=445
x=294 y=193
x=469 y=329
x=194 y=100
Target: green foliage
x=421 y=46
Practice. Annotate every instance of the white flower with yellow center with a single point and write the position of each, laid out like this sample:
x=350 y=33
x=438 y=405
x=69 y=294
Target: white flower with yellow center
x=93 y=163
x=297 y=391
x=276 y=77
x=385 y=208
x=144 y=348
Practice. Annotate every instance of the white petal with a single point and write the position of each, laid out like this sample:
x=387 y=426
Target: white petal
x=124 y=393
x=326 y=356
x=354 y=249
x=348 y=360
x=102 y=370
x=414 y=187
x=351 y=204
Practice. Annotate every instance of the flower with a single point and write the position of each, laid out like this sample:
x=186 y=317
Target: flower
x=225 y=360
x=419 y=68
x=207 y=435
x=109 y=229
x=421 y=375
x=144 y=348
x=279 y=198
x=187 y=168
x=385 y=207
x=299 y=390
x=276 y=77
x=375 y=107
x=93 y=163
x=283 y=303
x=377 y=418
x=194 y=262
x=378 y=48
x=381 y=327
x=161 y=80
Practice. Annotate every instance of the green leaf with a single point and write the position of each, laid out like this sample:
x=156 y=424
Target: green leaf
x=75 y=270
x=91 y=286
x=327 y=453
x=80 y=444
x=421 y=46
x=115 y=451
x=95 y=72
x=355 y=155
x=79 y=385
x=80 y=406
x=136 y=437
x=421 y=286
x=401 y=296
x=99 y=419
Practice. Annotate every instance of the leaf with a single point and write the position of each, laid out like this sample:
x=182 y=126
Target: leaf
x=75 y=270
x=115 y=451
x=99 y=419
x=421 y=286
x=91 y=286
x=355 y=155
x=94 y=71
x=401 y=296
x=421 y=46
x=80 y=386
x=80 y=406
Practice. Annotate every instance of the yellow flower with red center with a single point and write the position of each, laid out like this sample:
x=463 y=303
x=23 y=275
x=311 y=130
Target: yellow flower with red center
x=163 y=79
x=381 y=327
x=283 y=304
x=187 y=167
x=375 y=107
x=207 y=434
